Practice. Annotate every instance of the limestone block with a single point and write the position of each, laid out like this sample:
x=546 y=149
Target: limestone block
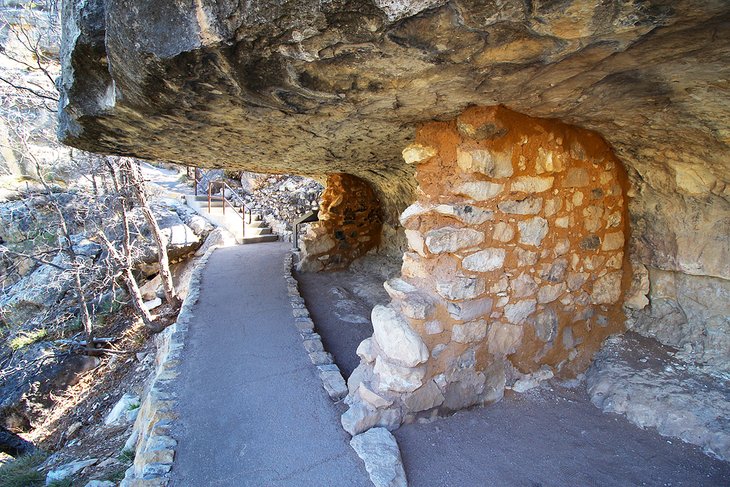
x=528 y=206
x=518 y=312
x=549 y=293
x=469 y=214
x=372 y=398
x=367 y=350
x=546 y=325
x=526 y=257
x=397 y=288
x=523 y=286
x=492 y=164
x=392 y=377
x=458 y=288
x=607 y=289
x=450 y=239
x=470 y=310
x=479 y=190
x=592 y=218
x=636 y=295
x=424 y=398
x=414 y=210
x=415 y=241
x=548 y=161
x=552 y=206
x=576 y=177
x=503 y=232
x=396 y=339
x=562 y=222
x=503 y=338
x=379 y=451
x=361 y=417
x=532 y=184
x=434 y=327
x=417 y=153
x=472 y=331
x=413 y=266
x=613 y=241
x=416 y=306
x=485 y=260
x=532 y=231
x=463 y=389
x=576 y=280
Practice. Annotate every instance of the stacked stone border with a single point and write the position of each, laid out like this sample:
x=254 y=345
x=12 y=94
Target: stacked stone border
x=377 y=447
x=329 y=372
x=151 y=438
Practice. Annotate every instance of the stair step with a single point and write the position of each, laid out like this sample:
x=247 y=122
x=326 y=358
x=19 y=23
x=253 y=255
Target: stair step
x=259 y=239
x=258 y=231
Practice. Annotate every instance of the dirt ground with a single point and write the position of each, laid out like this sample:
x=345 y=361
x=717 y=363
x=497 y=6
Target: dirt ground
x=550 y=436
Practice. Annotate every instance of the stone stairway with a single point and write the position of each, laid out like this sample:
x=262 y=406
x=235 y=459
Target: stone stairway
x=256 y=230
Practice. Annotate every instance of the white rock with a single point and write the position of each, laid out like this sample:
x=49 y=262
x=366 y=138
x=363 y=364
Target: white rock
x=69 y=469
x=416 y=153
x=414 y=210
x=531 y=184
x=518 y=312
x=549 y=293
x=503 y=338
x=532 y=380
x=479 y=190
x=469 y=214
x=607 y=289
x=396 y=339
x=523 y=286
x=396 y=378
x=458 y=288
x=450 y=239
x=100 y=483
x=379 y=450
x=485 y=260
x=397 y=288
x=527 y=206
x=532 y=231
x=470 y=310
x=372 y=398
x=492 y=164
x=415 y=241
x=332 y=381
x=503 y=232
x=128 y=402
x=472 y=331
x=366 y=350
x=613 y=241
x=424 y=398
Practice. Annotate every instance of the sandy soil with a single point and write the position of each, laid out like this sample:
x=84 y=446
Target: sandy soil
x=551 y=436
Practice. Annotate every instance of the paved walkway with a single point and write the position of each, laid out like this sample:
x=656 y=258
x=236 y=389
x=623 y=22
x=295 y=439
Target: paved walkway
x=252 y=408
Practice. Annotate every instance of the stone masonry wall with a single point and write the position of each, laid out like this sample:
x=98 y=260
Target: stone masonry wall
x=515 y=268
x=350 y=224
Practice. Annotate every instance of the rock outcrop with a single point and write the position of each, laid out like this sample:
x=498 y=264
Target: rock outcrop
x=318 y=88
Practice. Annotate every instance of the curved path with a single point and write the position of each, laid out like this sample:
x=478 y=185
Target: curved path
x=252 y=411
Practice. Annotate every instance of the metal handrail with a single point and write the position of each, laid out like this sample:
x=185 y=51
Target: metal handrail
x=225 y=202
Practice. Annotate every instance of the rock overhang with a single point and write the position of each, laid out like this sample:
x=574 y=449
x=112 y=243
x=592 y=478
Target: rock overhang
x=318 y=88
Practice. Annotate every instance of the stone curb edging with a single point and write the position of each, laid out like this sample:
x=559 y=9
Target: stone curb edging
x=377 y=447
x=151 y=438
x=332 y=379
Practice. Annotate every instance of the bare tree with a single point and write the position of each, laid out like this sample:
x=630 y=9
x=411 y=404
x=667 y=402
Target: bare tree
x=136 y=182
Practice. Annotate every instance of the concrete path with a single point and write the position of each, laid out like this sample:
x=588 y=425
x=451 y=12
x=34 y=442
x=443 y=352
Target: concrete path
x=252 y=408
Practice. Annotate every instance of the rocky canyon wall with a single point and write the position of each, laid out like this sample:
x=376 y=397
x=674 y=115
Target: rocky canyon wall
x=516 y=266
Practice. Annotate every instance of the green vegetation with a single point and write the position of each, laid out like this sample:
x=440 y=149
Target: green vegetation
x=23 y=339
x=22 y=472
x=126 y=456
x=61 y=483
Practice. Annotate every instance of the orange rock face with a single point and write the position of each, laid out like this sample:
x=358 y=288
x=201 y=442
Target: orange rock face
x=350 y=224
x=516 y=262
